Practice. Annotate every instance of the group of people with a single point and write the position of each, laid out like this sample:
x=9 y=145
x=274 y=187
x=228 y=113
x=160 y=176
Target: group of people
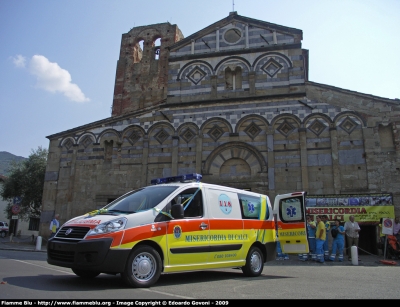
x=317 y=235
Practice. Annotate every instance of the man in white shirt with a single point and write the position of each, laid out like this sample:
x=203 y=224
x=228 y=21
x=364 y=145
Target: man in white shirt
x=352 y=230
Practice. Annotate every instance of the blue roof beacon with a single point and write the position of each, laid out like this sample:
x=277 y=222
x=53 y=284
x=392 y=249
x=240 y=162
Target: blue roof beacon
x=179 y=178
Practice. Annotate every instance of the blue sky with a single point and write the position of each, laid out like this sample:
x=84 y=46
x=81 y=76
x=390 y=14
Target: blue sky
x=58 y=58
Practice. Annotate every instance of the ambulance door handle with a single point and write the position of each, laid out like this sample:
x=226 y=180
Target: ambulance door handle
x=203 y=226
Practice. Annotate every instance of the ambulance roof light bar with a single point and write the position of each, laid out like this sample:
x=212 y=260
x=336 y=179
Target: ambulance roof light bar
x=180 y=178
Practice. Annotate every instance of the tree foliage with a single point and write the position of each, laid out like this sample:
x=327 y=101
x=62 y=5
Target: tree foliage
x=26 y=180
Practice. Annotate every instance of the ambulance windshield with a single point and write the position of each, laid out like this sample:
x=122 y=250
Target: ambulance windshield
x=140 y=200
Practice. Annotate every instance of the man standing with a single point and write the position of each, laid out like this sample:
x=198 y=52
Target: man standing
x=320 y=239
x=311 y=228
x=326 y=243
x=352 y=230
x=338 y=241
x=54 y=225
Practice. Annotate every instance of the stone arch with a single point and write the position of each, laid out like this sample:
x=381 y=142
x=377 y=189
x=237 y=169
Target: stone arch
x=348 y=122
x=309 y=117
x=234 y=150
x=215 y=129
x=212 y=119
x=187 y=66
x=272 y=54
x=157 y=44
x=147 y=37
x=286 y=115
x=109 y=133
x=234 y=60
x=86 y=139
x=188 y=132
x=250 y=117
x=109 y=139
x=157 y=125
x=286 y=128
x=67 y=142
x=317 y=123
x=133 y=134
x=138 y=49
x=161 y=132
x=350 y=113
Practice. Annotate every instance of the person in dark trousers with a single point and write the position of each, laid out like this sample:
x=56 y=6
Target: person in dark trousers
x=311 y=229
x=326 y=243
x=338 y=241
x=320 y=239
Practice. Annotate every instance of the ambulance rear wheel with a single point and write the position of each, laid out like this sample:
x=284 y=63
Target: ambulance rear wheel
x=85 y=274
x=143 y=268
x=254 y=263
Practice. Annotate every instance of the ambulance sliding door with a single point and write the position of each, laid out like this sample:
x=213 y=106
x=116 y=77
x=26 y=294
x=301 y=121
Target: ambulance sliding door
x=291 y=222
x=227 y=240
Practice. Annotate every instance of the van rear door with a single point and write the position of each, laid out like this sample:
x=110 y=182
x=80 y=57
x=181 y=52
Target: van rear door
x=291 y=222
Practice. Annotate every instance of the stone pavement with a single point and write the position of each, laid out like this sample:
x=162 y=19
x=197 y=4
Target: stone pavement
x=25 y=243
x=22 y=243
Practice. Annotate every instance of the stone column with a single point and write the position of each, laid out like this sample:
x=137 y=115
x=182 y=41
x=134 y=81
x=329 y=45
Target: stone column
x=303 y=159
x=252 y=82
x=199 y=149
x=335 y=161
x=271 y=163
x=175 y=158
x=192 y=46
x=247 y=36
x=214 y=85
x=145 y=159
x=217 y=40
x=275 y=39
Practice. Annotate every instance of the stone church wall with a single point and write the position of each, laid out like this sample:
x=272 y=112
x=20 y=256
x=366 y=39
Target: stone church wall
x=238 y=109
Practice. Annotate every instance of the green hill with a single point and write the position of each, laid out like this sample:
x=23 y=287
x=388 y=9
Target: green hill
x=5 y=161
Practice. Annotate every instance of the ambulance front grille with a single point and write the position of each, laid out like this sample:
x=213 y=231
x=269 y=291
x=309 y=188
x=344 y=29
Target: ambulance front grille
x=72 y=233
x=65 y=256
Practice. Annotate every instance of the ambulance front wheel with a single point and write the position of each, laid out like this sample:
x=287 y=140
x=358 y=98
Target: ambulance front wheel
x=254 y=263
x=143 y=268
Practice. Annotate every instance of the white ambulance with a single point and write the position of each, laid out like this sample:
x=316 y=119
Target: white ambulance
x=179 y=224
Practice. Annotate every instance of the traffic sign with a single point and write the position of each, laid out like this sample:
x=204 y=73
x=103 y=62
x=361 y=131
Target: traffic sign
x=15 y=209
x=387 y=226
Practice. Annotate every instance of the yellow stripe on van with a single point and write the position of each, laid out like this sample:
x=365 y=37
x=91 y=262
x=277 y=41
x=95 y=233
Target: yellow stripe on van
x=263 y=209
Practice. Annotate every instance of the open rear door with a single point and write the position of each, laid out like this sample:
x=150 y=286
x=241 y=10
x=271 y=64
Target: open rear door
x=291 y=220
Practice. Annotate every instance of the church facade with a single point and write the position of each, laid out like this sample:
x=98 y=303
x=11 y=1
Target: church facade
x=232 y=102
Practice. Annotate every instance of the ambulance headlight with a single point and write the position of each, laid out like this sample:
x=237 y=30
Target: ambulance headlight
x=109 y=226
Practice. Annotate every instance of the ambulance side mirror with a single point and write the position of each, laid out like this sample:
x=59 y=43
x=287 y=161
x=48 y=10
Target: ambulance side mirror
x=177 y=212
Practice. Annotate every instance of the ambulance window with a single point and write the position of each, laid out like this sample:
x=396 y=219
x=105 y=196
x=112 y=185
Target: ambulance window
x=161 y=217
x=190 y=199
x=192 y=202
x=251 y=207
x=140 y=200
x=290 y=209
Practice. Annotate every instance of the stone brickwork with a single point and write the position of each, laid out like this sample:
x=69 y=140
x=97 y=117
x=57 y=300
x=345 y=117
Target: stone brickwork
x=142 y=67
x=275 y=133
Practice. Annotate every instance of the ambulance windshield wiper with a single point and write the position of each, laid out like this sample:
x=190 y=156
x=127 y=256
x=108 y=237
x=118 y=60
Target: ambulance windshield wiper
x=121 y=211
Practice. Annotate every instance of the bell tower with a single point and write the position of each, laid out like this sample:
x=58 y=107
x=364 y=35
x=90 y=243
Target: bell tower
x=142 y=68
